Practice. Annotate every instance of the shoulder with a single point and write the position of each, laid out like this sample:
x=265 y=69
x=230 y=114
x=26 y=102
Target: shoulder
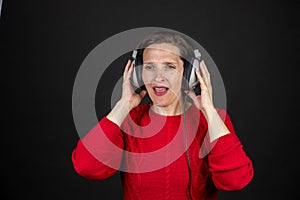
x=135 y=116
x=140 y=109
x=138 y=112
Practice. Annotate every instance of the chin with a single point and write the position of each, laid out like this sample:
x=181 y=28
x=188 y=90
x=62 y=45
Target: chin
x=160 y=104
x=164 y=100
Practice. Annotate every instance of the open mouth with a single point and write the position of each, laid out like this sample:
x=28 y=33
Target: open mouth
x=160 y=90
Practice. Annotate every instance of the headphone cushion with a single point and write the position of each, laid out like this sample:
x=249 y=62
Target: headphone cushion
x=187 y=73
x=138 y=69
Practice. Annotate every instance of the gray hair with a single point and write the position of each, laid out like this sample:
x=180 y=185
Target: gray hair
x=176 y=39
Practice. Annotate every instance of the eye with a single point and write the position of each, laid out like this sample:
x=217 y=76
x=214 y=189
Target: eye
x=170 y=67
x=149 y=67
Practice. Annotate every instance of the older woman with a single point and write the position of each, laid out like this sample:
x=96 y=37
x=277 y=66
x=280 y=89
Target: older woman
x=176 y=116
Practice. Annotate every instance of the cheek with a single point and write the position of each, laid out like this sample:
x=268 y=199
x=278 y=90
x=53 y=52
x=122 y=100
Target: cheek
x=176 y=80
x=173 y=78
x=147 y=76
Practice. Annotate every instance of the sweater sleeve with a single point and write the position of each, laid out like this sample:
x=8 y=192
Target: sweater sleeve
x=98 y=155
x=231 y=168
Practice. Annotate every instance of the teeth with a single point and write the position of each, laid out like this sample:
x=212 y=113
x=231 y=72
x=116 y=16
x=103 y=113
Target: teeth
x=160 y=89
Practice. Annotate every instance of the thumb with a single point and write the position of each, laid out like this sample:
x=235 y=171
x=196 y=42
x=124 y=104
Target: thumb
x=143 y=93
x=193 y=96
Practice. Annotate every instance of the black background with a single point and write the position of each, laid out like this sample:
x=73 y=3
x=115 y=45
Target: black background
x=255 y=45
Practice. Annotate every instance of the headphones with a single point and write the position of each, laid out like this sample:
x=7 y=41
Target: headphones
x=190 y=80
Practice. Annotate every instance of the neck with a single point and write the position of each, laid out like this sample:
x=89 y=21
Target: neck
x=171 y=110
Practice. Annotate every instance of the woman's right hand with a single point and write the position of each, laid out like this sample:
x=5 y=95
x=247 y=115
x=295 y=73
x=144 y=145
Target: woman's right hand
x=128 y=94
x=129 y=98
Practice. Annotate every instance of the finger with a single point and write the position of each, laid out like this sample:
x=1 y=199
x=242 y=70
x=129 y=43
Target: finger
x=143 y=93
x=193 y=96
x=127 y=68
x=130 y=67
x=205 y=73
x=204 y=68
x=208 y=79
x=129 y=73
x=190 y=94
x=203 y=85
x=127 y=65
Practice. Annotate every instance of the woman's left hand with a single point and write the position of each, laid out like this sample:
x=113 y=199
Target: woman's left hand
x=204 y=101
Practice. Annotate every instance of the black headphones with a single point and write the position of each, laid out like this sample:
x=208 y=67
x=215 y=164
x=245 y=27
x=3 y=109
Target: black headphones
x=190 y=80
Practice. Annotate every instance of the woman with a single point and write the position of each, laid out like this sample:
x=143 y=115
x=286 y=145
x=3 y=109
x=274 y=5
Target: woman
x=205 y=154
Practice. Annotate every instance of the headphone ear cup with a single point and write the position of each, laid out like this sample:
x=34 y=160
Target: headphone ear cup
x=186 y=74
x=138 y=69
x=136 y=79
x=193 y=79
x=190 y=79
x=194 y=82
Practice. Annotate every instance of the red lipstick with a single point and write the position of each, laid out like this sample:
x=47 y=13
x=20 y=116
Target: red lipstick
x=160 y=90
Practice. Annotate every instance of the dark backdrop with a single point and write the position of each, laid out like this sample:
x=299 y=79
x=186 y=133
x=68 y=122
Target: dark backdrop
x=254 y=43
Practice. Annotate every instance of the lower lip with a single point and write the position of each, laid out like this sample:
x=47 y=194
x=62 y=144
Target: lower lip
x=160 y=93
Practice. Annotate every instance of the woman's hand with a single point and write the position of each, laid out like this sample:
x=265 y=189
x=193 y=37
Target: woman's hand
x=128 y=95
x=204 y=101
x=129 y=98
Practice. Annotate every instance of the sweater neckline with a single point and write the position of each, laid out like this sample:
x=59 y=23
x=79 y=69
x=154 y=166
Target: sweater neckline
x=153 y=114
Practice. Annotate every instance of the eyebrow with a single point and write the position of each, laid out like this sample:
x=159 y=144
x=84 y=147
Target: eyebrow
x=165 y=63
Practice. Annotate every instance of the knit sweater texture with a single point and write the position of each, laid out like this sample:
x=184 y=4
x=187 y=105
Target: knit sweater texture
x=150 y=151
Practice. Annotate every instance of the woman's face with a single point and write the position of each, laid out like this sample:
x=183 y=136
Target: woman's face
x=162 y=74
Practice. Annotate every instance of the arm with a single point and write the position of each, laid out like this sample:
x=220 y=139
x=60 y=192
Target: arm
x=98 y=155
x=231 y=168
x=204 y=102
x=129 y=99
x=94 y=156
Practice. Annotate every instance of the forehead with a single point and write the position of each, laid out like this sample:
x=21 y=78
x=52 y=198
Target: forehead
x=162 y=50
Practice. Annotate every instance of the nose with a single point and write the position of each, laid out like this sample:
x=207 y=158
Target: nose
x=159 y=76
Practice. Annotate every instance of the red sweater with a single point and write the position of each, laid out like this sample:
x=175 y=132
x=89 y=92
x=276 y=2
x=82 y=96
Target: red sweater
x=223 y=166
